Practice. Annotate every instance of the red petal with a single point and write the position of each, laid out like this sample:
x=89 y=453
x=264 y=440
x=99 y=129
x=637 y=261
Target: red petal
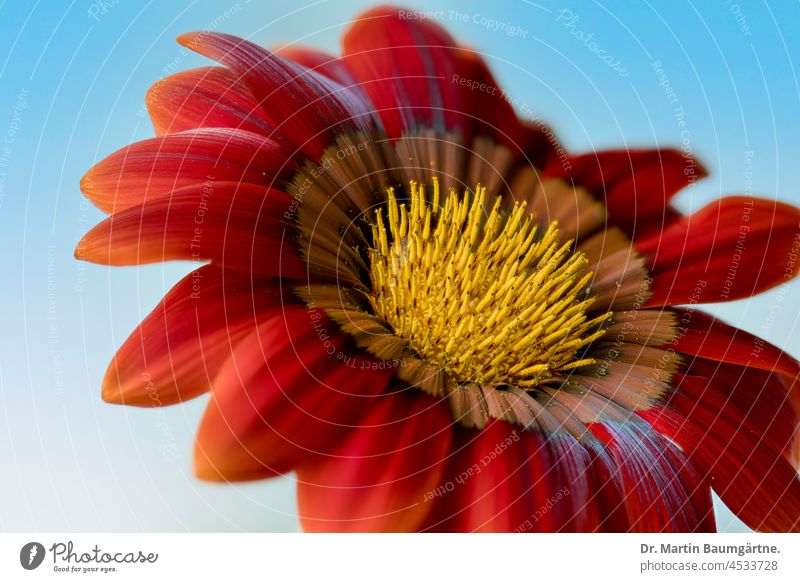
x=733 y=248
x=179 y=347
x=636 y=185
x=406 y=66
x=662 y=492
x=290 y=392
x=320 y=62
x=763 y=402
x=157 y=166
x=539 y=146
x=206 y=97
x=701 y=335
x=504 y=480
x=758 y=484
x=325 y=64
x=488 y=110
x=381 y=474
x=308 y=108
x=238 y=226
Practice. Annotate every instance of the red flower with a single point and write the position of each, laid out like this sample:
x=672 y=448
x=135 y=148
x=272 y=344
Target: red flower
x=434 y=314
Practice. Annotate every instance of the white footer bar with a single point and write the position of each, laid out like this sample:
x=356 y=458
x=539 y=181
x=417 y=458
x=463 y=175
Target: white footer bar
x=352 y=558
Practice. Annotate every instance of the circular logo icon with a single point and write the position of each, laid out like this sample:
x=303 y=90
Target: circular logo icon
x=31 y=555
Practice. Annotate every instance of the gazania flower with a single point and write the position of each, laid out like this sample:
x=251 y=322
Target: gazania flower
x=434 y=314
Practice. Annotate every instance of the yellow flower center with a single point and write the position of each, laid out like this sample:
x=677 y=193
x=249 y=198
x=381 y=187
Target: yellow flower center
x=479 y=291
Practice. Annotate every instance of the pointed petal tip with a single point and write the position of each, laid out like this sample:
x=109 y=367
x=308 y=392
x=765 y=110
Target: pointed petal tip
x=86 y=249
x=221 y=472
x=88 y=186
x=111 y=395
x=202 y=467
x=187 y=38
x=86 y=183
x=115 y=392
x=112 y=392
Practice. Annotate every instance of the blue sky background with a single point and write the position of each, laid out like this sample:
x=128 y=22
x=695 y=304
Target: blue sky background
x=73 y=78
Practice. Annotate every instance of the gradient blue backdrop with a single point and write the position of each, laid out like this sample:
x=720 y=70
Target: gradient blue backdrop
x=73 y=78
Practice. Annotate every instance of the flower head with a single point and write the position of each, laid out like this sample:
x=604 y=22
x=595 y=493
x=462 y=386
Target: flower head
x=435 y=315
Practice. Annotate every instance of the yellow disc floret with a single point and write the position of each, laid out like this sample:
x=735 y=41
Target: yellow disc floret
x=478 y=290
